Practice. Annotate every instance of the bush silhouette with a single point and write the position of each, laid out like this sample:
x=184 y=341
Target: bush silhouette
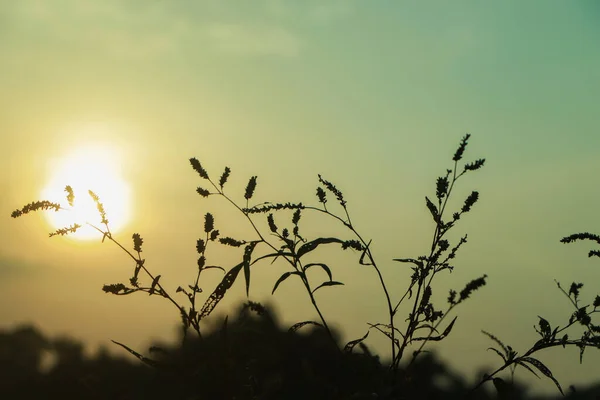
x=248 y=356
x=240 y=367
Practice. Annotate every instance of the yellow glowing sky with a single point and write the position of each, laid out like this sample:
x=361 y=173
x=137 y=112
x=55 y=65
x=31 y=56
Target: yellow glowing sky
x=115 y=97
x=92 y=167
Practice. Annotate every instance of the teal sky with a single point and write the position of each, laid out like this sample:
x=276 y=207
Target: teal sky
x=375 y=95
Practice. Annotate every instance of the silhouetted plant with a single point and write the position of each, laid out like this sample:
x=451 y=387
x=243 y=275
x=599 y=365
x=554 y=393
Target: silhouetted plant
x=277 y=240
x=553 y=337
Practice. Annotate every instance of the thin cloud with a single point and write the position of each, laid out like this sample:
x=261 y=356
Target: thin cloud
x=245 y=40
x=329 y=11
x=140 y=30
x=99 y=27
x=320 y=11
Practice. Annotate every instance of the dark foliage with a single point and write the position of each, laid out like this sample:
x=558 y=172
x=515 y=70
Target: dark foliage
x=248 y=357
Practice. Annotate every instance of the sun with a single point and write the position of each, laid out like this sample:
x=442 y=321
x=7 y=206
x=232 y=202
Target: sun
x=94 y=167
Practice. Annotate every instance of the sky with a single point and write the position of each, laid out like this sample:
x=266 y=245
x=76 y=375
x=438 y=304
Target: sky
x=374 y=95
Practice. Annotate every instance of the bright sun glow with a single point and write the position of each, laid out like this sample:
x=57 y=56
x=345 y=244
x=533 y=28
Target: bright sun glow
x=96 y=168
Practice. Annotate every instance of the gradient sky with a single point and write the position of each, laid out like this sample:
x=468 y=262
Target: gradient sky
x=375 y=95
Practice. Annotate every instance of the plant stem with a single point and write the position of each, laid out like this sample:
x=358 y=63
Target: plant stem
x=291 y=262
x=138 y=262
x=391 y=310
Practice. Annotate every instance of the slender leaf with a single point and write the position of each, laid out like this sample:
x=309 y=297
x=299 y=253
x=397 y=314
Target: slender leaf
x=142 y=358
x=299 y=325
x=439 y=337
x=154 y=283
x=426 y=326
x=361 y=261
x=350 y=345
x=432 y=209
x=495 y=339
x=214 y=267
x=527 y=367
x=247 y=256
x=387 y=333
x=543 y=369
x=449 y=328
x=498 y=352
x=327 y=283
x=409 y=260
x=283 y=277
x=324 y=266
x=219 y=291
x=275 y=255
x=310 y=246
